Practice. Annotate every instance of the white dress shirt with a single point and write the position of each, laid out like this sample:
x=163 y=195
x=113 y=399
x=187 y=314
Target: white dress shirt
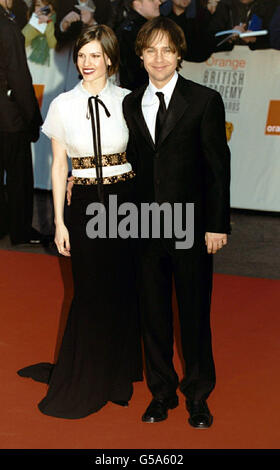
x=150 y=102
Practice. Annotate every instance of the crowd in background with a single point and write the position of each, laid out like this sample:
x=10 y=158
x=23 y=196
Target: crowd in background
x=199 y=19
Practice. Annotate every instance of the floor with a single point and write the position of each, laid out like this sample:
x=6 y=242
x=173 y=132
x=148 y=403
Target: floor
x=36 y=294
x=246 y=357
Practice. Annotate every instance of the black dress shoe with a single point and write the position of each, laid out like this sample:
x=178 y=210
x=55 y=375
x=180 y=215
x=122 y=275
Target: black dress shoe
x=35 y=238
x=32 y=238
x=200 y=416
x=158 y=409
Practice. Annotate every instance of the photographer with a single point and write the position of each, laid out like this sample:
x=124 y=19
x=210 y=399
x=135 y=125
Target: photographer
x=40 y=41
x=71 y=19
x=242 y=16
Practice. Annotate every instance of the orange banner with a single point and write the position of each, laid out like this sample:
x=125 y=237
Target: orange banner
x=39 y=92
x=273 y=118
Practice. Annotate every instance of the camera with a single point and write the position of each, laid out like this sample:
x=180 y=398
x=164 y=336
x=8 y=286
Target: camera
x=45 y=10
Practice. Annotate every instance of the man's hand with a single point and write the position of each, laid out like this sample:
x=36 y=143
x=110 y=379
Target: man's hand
x=215 y=241
x=250 y=38
x=240 y=28
x=69 y=190
x=72 y=17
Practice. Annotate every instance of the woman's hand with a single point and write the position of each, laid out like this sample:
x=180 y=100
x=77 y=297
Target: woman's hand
x=61 y=240
x=42 y=17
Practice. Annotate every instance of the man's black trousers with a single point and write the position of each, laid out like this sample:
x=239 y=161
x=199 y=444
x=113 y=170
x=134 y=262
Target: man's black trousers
x=192 y=272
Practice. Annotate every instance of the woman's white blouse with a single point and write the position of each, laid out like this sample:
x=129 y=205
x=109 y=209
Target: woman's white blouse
x=67 y=123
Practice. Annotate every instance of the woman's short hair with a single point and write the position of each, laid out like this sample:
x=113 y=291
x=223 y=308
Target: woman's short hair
x=156 y=28
x=108 y=41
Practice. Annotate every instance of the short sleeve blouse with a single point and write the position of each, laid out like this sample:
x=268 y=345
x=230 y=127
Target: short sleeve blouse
x=67 y=121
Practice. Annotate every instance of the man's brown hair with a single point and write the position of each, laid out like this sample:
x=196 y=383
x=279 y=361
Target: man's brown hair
x=156 y=28
x=108 y=41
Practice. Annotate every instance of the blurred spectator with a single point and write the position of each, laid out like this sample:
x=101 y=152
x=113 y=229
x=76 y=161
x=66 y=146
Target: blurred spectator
x=211 y=5
x=20 y=121
x=131 y=72
x=264 y=10
x=42 y=14
x=242 y=15
x=20 y=11
x=274 y=28
x=193 y=17
x=119 y=10
x=71 y=19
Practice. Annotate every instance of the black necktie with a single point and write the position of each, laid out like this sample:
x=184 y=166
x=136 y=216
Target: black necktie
x=160 y=114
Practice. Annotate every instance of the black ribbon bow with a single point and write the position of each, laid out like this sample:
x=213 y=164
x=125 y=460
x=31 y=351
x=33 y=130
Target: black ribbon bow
x=97 y=141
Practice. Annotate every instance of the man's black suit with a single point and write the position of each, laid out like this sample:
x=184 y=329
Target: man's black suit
x=190 y=164
x=20 y=120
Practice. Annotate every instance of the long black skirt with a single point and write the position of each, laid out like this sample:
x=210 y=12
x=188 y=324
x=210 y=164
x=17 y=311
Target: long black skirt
x=100 y=355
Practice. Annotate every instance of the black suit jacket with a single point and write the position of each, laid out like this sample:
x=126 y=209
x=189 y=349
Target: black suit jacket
x=191 y=162
x=20 y=111
x=131 y=72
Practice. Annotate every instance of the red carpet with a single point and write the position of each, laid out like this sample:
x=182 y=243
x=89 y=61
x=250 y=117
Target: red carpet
x=35 y=294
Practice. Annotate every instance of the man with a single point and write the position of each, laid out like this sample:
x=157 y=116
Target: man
x=20 y=120
x=131 y=73
x=193 y=18
x=186 y=160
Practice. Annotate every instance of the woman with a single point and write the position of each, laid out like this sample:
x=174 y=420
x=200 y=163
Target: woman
x=100 y=353
x=40 y=41
x=48 y=77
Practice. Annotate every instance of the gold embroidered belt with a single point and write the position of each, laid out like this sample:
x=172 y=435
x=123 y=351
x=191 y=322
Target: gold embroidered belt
x=106 y=180
x=79 y=163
